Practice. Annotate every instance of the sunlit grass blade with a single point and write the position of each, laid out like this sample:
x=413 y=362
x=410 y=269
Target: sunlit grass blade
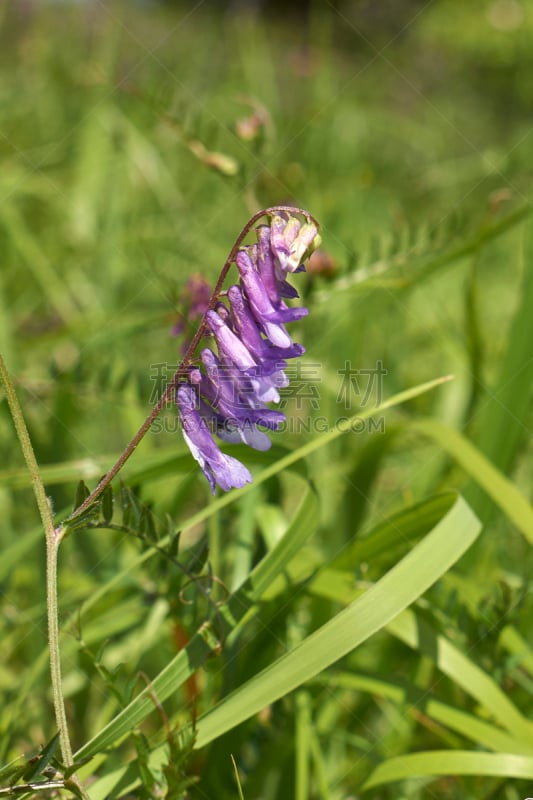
x=237 y=778
x=504 y=416
x=451 y=762
x=392 y=536
x=406 y=581
x=514 y=643
x=499 y=488
x=302 y=743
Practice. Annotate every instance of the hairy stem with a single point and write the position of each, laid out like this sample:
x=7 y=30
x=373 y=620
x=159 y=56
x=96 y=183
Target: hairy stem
x=182 y=369
x=52 y=547
x=53 y=539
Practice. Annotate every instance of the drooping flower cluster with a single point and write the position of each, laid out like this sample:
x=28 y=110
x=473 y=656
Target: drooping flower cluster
x=227 y=392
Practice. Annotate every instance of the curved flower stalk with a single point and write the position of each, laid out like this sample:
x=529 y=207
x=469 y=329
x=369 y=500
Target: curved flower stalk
x=227 y=392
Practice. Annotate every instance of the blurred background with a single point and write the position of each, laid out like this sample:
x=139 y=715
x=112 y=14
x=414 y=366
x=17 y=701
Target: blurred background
x=137 y=138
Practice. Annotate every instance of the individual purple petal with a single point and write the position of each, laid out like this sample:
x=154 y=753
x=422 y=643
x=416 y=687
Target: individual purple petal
x=224 y=314
x=247 y=329
x=229 y=345
x=255 y=438
x=216 y=466
x=246 y=432
x=265 y=264
x=271 y=275
x=273 y=281
x=278 y=223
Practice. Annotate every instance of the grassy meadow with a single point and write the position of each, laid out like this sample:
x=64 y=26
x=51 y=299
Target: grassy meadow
x=358 y=622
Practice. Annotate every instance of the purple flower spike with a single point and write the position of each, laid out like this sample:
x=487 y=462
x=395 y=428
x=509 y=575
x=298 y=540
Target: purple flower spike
x=217 y=467
x=226 y=393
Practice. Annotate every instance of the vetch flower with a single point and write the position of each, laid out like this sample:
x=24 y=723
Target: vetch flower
x=275 y=284
x=217 y=467
x=226 y=392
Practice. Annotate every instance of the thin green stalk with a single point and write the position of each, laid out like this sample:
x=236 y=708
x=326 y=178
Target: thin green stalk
x=53 y=539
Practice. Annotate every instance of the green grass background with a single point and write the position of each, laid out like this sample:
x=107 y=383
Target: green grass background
x=405 y=128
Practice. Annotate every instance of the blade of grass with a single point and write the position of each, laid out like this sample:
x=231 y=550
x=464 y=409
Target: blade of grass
x=451 y=762
x=504 y=417
x=391 y=537
x=302 y=743
x=406 y=581
x=514 y=643
x=499 y=488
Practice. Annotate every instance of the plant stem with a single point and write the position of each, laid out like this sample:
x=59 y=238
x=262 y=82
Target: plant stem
x=52 y=547
x=182 y=369
x=53 y=539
